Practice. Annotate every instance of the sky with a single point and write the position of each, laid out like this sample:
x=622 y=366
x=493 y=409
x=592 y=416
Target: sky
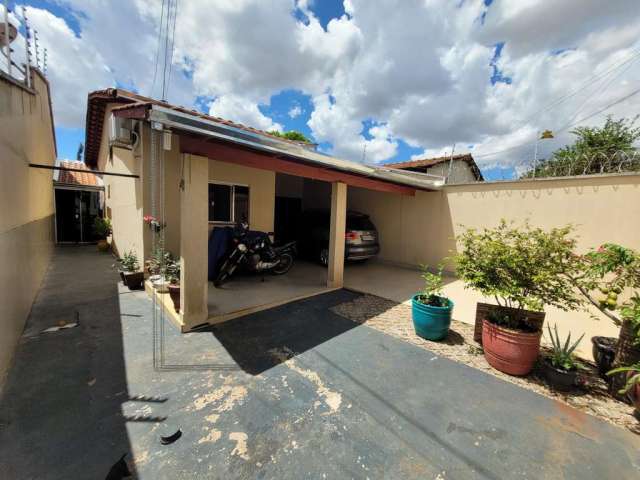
x=383 y=81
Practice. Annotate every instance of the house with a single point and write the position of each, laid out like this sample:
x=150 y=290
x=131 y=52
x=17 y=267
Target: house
x=456 y=168
x=26 y=194
x=194 y=172
x=79 y=198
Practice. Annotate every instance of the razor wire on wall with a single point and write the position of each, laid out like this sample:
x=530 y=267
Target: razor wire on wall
x=584 y=164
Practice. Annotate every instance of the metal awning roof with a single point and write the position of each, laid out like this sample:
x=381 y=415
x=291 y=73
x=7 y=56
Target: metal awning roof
x=183 y=121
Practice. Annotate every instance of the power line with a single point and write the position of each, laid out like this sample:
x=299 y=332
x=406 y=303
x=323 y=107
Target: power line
x=612 y=104
x=173 y=37
x=594 y=78
x=166 y=51
x=155 y=68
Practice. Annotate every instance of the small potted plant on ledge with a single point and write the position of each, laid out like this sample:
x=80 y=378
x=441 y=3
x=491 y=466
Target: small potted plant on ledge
x=561 y=368
x=173 y=274
x=523 y=269
x=158 y=264
x=632 y=386
x=130 y=272
x=102 y=229
x=431 y=311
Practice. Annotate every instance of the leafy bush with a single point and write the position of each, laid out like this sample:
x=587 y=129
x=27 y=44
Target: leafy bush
x=524 y=268
x=101 y=227
x=432 y=291
x=562 y=355
x=632 y=379
x=291 y=135
x=606 y=274
x=129 y=262
x=173 y=271
x=160 y=260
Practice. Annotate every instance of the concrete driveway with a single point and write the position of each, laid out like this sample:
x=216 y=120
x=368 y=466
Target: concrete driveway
x=293 y=392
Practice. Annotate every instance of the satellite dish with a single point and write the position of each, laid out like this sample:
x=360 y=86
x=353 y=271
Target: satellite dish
x=13 y=33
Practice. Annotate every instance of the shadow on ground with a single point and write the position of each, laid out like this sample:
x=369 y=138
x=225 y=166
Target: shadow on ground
x=65 y=389
x=252 y=340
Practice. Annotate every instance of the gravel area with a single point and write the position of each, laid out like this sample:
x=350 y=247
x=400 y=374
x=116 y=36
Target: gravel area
x=394 y=319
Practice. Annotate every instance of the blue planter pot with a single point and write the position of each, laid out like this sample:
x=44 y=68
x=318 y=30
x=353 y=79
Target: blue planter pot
x=431 y=323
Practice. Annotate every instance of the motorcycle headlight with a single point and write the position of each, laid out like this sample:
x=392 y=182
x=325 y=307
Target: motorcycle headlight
x=242 y=247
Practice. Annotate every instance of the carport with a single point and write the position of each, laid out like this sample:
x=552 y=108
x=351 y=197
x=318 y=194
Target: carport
x=209 y=149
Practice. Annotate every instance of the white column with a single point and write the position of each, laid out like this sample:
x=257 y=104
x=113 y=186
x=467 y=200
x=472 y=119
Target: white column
x=336 y=236
x=193 y=241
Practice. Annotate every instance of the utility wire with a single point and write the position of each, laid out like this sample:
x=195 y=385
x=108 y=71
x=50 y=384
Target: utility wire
x=155 y=68
x=594 y=78
x=166 y=51
x=173 y=37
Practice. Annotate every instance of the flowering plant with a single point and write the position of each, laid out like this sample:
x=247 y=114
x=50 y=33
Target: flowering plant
x=153 y=223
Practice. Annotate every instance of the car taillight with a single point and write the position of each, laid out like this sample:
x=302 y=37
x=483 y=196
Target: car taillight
x=351 y=237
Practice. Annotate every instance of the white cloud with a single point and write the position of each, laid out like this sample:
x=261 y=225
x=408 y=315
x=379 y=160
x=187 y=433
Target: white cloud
x=239 y=110
x=418 y=71
x=295 y=111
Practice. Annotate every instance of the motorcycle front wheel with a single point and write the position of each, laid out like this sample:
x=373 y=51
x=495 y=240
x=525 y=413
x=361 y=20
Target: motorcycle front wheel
x=284 y=265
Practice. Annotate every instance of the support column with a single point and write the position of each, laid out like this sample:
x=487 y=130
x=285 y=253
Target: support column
x=336 y=235
x=193 y=242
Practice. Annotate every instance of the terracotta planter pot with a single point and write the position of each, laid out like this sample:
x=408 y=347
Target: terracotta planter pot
x=483 y=310
x=103 y=246
x=510 y=351
x=174 y=293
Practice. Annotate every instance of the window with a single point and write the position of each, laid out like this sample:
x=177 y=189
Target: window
x=228 y=203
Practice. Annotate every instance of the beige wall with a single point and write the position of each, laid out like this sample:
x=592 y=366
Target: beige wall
x=262 y=190
x=26 y=196
x=123 y=196
x=421 y=229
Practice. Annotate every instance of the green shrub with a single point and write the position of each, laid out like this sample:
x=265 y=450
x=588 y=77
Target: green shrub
x=101 y=227
x=521 y=267
x=129 y=262
x=432 y=291
x=562 y=354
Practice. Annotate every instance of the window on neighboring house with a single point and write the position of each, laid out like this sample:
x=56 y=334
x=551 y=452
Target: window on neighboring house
x=228 y=203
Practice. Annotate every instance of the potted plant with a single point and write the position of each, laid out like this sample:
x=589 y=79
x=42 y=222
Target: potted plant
x=561 y=368
x=431 y=311
x=173 y=275
x=632 y=385
x=102 y=229
x=523 y=269
x=158 y=263
x=609 y=274
x=130 y=271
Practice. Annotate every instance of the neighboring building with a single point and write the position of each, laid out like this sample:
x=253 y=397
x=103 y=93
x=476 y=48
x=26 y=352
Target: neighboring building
x=26 y=196
x=79 y=198
x=456 y=169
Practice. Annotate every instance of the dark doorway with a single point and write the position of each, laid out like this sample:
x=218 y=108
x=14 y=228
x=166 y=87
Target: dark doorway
x=287 y=215
x=76 y=211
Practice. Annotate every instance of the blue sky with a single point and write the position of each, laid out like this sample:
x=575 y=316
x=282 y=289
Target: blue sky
x=389 y=75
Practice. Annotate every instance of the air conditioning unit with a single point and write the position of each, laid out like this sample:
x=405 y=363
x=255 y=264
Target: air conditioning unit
x=121 y=132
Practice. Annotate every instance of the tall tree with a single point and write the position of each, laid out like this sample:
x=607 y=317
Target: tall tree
x=291 y=135
x=606 y=149
x=80 y=152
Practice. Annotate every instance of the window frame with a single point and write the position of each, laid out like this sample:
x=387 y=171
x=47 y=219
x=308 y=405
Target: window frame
x=232 y=203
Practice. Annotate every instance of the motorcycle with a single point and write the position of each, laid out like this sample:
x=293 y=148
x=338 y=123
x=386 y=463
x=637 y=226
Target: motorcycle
x=254 y=251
